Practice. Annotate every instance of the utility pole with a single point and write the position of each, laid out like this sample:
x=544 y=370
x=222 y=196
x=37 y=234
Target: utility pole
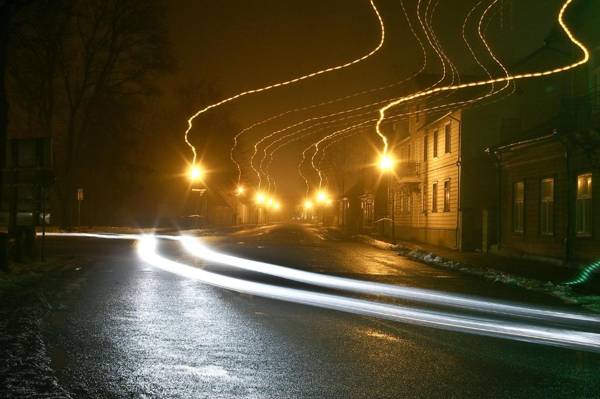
x=79 y=201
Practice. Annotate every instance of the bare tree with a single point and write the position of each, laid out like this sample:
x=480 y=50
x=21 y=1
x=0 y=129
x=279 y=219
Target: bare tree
x=81 y=62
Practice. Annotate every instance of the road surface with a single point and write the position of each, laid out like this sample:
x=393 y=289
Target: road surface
x=126 y=329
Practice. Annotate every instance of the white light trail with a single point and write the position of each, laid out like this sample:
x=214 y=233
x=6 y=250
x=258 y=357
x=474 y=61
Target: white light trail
x=573 y=339
x=147 y=250
x=199 y=250
x=287 y=82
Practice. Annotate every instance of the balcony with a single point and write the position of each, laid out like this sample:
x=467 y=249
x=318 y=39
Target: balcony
x=408 y=172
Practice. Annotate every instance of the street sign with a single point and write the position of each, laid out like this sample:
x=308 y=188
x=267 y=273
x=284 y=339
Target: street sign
x=26 y=180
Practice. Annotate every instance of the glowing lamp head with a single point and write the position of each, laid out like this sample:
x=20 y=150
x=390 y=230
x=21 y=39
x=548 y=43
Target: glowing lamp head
x=386 y=163
x=195 y=173
x=276 y=205
x=308 y=205
x=260 y=198
x=321 y=196
x=240 y=190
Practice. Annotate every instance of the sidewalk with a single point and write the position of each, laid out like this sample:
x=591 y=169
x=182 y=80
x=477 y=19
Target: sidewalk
x=521 y=272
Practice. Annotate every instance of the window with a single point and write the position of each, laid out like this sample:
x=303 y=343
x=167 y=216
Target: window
x=402 y=202
x=434 y=198
x=447 y=139
x=424 y=199
x=447 y=196
x=547 y=207
x=435 y=144
x=519 y=207
x=583 y=211
x=425 y=147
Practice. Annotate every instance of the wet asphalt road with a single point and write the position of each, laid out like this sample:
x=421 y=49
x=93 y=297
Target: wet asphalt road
x=128 y=330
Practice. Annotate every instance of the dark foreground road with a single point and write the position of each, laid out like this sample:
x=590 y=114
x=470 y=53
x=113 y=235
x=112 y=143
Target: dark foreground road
x=127 y=330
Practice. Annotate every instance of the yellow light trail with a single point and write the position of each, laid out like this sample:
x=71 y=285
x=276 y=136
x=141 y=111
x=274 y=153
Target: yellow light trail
x=285 y=83
x=329 y=102
x=565 y=28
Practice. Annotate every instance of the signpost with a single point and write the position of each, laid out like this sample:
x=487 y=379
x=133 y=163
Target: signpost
x=26 y=180
x=79 y=201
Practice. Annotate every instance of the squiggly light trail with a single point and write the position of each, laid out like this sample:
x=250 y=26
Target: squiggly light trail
x=285 y=83
x=329 y=102
x=565 y=28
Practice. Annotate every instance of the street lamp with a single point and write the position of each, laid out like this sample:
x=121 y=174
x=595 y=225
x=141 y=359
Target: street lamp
x=386 y=165
x=322 y=196
x=195 y=173
x=240 y=190
x=260 y=198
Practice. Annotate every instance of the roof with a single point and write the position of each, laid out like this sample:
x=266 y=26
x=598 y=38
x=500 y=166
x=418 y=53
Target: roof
x=524 y=143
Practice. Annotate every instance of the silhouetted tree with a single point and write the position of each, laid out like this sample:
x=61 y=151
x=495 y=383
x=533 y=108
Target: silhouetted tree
x=80 y=64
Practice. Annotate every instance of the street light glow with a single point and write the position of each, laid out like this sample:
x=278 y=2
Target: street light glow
x=195 y=173
x=260 y=198
x=308 y=204
x=240 y=190
x=322 y=196
x=386 y=163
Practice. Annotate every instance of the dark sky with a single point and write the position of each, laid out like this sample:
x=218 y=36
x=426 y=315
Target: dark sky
x=235 y=45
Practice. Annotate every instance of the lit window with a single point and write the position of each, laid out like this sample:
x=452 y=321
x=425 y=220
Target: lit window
x=583 y=209
x=447 y=196
x=435 y=144
x=547 y=207
x=519 y=207
x=447 y=139
x=434 y=198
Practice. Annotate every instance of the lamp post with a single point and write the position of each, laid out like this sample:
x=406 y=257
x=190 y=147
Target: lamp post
x=196 y=175
x=386 y=165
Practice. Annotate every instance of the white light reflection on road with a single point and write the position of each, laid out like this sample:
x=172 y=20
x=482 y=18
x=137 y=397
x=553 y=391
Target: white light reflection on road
x=196 y=248
x=147 y=250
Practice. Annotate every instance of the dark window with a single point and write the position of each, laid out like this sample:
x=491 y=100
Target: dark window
x=547 y=207
x=425 y=147
x=583 y=211
x=447 y=196
x=434 y=198
x=435 y=144
x=447 y=139
x=519 y=207
x=424 y=199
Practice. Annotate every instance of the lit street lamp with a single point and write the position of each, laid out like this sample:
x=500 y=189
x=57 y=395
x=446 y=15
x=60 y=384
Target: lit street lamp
x=196 y=175
x=386 y=165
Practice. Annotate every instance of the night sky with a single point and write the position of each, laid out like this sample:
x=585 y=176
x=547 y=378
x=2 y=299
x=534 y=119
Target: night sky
x=231 y=46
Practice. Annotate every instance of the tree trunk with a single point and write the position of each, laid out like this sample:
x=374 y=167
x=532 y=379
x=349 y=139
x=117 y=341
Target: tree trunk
x=4 y=26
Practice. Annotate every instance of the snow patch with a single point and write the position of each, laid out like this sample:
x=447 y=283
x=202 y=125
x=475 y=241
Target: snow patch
x=563 y=292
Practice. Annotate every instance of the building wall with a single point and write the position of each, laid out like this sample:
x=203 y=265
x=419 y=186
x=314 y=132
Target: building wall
x=414 y=214
x=530 y=165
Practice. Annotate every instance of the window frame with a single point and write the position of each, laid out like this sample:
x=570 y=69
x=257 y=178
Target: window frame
x=589 y=200
x=434 y=197
x=448 y=138
x=447 y=195
x=551 y=232
x=518 y=229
